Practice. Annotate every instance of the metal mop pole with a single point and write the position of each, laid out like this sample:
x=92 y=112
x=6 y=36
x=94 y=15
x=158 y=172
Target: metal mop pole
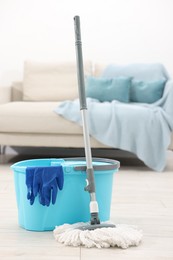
x=83 y=107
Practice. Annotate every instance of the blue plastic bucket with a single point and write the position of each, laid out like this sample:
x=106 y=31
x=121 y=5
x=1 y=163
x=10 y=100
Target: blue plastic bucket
x=72 y=203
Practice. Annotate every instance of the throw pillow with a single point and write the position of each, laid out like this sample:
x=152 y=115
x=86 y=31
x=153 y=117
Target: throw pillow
x=108 y=89
x=146 y=91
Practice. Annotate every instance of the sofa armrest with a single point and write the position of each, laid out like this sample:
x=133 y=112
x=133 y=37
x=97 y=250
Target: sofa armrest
x=5 y=94
x=17 y=91
x=171 y=144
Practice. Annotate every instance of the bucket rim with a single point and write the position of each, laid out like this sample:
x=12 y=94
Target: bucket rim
x=110 y=164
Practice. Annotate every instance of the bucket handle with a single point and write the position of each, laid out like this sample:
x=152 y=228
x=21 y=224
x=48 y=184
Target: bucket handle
x=97 y=168
x=112 y=166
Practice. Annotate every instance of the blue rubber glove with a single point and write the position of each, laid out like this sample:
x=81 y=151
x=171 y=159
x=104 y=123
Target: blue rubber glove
x=44 y=182
x=51 y=184
x=29 y=184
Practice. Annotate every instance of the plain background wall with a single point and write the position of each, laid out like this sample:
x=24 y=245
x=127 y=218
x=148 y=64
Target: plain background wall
x=113 y=31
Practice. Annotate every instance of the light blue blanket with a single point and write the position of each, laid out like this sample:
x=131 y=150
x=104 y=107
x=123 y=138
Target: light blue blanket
x=143 y=129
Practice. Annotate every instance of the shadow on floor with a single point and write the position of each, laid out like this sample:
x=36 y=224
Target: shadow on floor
x=16 y=154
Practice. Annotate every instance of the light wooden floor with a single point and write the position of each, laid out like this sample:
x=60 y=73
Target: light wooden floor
x=140 y=196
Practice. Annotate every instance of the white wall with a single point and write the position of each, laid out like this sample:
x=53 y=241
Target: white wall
x=119 y=31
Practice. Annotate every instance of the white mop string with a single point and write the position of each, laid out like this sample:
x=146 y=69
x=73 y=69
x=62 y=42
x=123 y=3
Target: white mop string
x=121 y=236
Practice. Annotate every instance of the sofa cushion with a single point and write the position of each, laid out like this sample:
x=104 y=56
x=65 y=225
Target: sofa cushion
x=34 y=117
x=105 y=89
x=139 y=71
x=51 y=81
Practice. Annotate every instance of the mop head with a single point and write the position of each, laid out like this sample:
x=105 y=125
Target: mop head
x=121 y=236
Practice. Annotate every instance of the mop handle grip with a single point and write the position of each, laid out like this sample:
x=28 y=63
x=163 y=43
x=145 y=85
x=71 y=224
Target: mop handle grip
x=79 y=60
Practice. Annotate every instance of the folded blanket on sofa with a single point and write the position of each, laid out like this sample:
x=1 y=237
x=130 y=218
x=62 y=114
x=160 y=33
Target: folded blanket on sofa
x=143 y=129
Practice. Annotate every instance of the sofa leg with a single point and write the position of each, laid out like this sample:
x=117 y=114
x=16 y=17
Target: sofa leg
x=2 y=150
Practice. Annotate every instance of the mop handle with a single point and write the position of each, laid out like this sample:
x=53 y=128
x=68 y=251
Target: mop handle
x=79 y=60
x=83 y=106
